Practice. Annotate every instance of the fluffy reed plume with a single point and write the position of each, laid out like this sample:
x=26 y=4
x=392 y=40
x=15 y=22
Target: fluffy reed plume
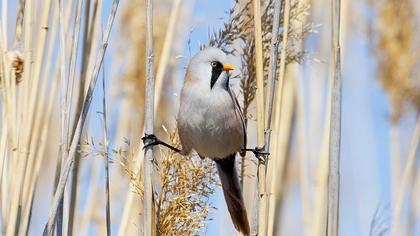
x=16 y=64
x=186 y=183
x=395 y=39
x=16 y=59
x=124 y=156
x=183 y=188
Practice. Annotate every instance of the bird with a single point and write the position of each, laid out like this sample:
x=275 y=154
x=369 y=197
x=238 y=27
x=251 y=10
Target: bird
x=210 y=122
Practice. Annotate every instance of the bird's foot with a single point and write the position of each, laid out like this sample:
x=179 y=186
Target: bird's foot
x=151 y=140
x=259 y=154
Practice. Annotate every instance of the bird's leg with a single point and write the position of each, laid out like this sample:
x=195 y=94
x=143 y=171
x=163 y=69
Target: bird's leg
x=152 y=140
x=258 y=153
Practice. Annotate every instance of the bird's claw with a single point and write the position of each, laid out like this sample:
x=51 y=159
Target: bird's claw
x=259 y=154
x=150 y=140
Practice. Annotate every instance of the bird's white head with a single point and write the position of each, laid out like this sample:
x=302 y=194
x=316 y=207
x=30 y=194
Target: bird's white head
x=209 y=66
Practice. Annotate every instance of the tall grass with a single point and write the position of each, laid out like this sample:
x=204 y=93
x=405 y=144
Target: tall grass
x=34 y=104
x=80 y=124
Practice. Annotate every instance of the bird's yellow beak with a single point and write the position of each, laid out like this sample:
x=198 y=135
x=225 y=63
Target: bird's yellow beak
x=228 y=67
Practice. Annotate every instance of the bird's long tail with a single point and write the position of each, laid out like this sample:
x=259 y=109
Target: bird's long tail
x=232 y=191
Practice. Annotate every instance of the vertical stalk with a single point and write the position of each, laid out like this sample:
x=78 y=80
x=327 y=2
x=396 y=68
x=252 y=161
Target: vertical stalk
x=19 y=23
x=20 y=156
x=272 y=88
x=166 y=50
x=91 y=195
x=106 y=147
x=395 y=162
x=72 y=79
x=262 y=200
x=272 y=72
x=163 y=61
x=149 y=122
x=335 y=124
x=80 y=123
x=406 y=178
x=4 y=9
x=64 y=108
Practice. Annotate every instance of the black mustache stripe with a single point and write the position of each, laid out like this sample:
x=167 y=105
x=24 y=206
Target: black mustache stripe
x=215 y=73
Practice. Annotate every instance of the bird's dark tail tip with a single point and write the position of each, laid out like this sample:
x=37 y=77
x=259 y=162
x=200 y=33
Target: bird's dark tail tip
x=232 y=191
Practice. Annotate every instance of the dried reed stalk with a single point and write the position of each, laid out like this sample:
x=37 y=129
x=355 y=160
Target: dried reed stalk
x=92 y=20
x=303 y=155
x=148 y=214
x=280 y=151
x=3 y=142
x=395 y=161
x=37 y=150
x=24 y=135
x=318 y=124
x=80 y=123
x=272 y=72
x=318 y=227
x=335 y=125
x=91 y=198
x=7 y=135
x=262 y=200
x=271 y=88
x=301 y=130
x=106 y=157
x=76 y=166
x=163 y=62
x=279 y=95
x=4 y=14
x=406 y=180
x=64 y=114
x=166 y=50
x=39 y=95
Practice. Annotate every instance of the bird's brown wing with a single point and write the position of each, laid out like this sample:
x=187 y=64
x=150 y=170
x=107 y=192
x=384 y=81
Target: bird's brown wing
x=241 y=115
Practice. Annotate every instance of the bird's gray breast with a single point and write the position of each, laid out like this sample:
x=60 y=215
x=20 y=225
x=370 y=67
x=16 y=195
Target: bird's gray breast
x=208 y=122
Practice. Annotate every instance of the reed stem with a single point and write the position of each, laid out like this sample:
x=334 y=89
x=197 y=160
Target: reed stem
x=335 y=125
x=148 y=215
x=80 y=123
